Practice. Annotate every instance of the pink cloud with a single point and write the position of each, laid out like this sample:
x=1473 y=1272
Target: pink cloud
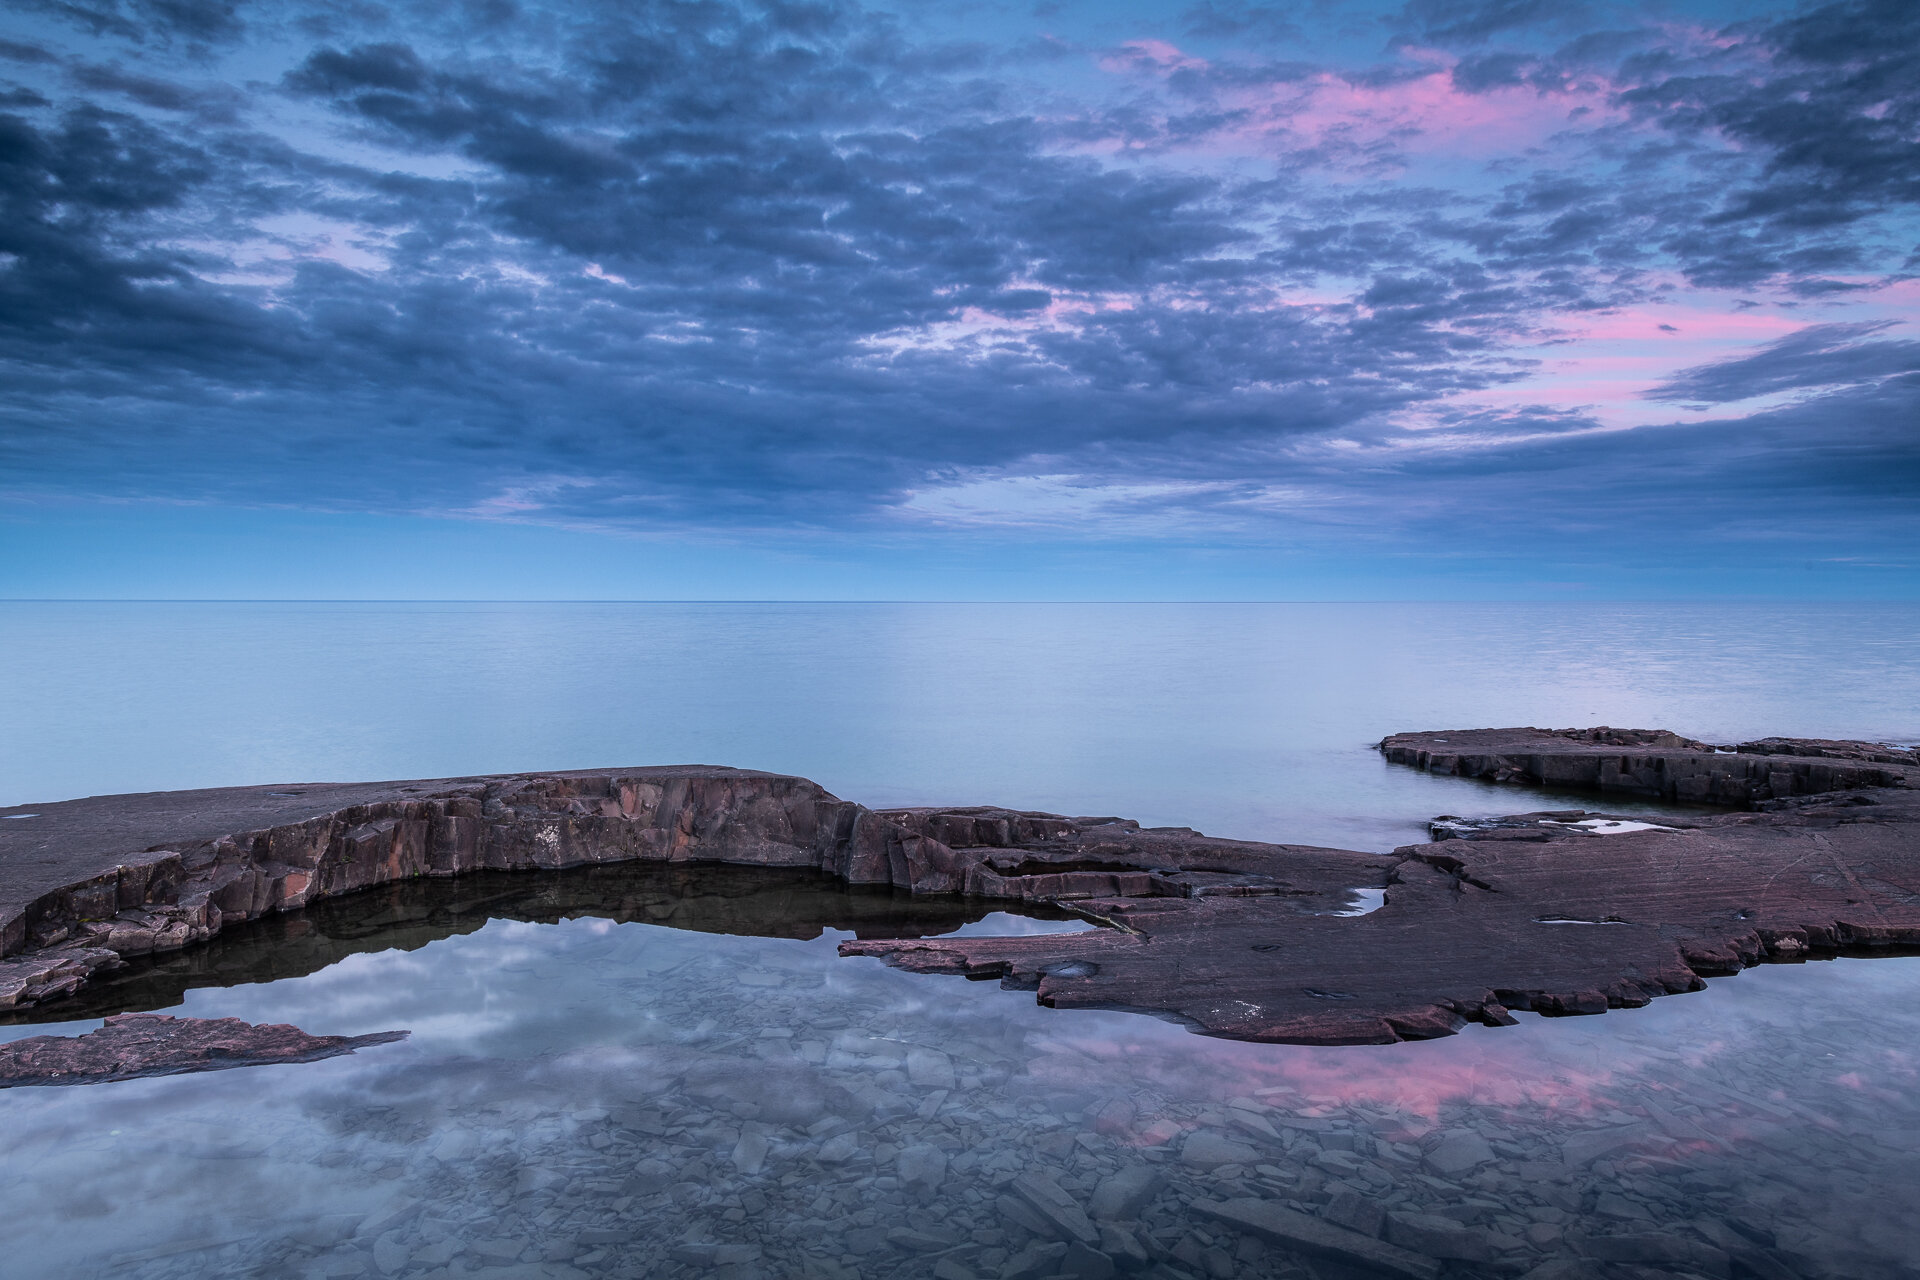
x=1328 y=110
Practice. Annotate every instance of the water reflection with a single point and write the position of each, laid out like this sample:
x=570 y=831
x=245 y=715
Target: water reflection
x=406 y=915
x=598 y=1096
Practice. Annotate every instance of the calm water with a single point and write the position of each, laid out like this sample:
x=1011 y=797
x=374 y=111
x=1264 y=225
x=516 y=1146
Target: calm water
x=678 y=1076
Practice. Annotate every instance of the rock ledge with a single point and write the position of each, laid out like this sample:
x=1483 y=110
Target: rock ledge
x=1559 y=912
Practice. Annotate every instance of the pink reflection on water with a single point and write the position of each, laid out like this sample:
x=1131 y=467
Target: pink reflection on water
x=1413 y=1080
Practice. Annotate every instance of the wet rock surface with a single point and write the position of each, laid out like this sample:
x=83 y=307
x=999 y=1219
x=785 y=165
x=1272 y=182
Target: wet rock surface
x=1560 y=912
x=135 y=1046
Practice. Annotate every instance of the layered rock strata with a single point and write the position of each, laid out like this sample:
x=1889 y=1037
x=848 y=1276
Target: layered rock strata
x=1559 y=912
x=85 y=884
x=1652 y=762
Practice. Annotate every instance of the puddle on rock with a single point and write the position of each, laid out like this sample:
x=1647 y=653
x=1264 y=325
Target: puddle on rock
x=676 y=1076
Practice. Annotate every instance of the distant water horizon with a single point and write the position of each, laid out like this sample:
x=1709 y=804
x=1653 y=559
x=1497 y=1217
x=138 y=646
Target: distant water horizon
x=1248 y=720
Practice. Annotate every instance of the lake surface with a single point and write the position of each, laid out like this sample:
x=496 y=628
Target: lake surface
x=668 y=1075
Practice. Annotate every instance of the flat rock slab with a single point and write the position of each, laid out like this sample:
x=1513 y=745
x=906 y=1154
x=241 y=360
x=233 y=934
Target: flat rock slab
x=1546 y=911
x=1294 y=1230
x=1560 y=912
x=135 y=1046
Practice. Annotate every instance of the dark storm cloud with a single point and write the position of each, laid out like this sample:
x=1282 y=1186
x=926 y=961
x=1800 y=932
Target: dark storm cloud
x=151 y=21
x=1837 y=114
x=1474 y=21
x=714 y=264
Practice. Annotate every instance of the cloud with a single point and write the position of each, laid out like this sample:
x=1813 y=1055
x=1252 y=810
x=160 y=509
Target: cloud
x=1817 y=357
x=719 y=266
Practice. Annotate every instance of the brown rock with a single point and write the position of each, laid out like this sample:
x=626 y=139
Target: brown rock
x=1560 y=912
x=137 y=1045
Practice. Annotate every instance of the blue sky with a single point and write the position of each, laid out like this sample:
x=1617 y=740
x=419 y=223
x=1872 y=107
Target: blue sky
x=1451 y=298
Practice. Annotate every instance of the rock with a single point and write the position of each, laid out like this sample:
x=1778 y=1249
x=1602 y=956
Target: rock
x=948 y=1269
x=1583 y=1148
x=1455 y=1151
x=1762 y=1264
x=919 y=1241
x=1123 y=1247
x=1341 y=1164
x=649 y=1174
x=838 y=1150
x=328 y=1231
x=922 y=1166
x=390 y=1254
x=1662 y=1249
x=1086 y=1264
x=1159 y=1133
x=133 y=1046
x=1205 y=1149
x=930 y=1069
x=750 y=1153
x=1036 y=1260
x=1026 y=1217
x=1253 y=1124
x=1047 y=1198
x=498 y=1249
x=1121 y=1196
x=1565 y=1269
x=1488 y=909
x=1611 y=1204
x=1435 y=1237
x=864 y=1240
x=1115 y=1117
x=1433 y=955
x=1356 y=1212
x=1298 y=1231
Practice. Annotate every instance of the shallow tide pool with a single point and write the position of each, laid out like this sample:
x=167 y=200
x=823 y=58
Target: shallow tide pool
x=603 y=1096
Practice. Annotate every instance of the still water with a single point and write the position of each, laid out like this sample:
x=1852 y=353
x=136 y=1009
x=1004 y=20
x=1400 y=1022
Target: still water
x=675 y=1075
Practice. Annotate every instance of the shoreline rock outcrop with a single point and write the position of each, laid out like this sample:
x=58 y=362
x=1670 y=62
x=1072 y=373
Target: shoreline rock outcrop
x=85 y=884
x=1559 y=912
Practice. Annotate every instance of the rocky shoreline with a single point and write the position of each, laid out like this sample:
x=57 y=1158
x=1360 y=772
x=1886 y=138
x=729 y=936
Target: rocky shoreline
x=1236 y=938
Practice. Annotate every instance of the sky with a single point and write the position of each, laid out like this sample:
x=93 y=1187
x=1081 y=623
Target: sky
x=1109 y=300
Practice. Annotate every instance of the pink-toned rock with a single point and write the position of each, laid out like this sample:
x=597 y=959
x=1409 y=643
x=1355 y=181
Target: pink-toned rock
x=137 y=1045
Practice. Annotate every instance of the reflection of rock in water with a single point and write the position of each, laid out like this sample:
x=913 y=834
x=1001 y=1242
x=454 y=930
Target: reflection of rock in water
x=765 y=1111
x=406 y=915
x=138 y=1045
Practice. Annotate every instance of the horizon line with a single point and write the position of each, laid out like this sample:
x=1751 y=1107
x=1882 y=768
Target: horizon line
x=1728 y=599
